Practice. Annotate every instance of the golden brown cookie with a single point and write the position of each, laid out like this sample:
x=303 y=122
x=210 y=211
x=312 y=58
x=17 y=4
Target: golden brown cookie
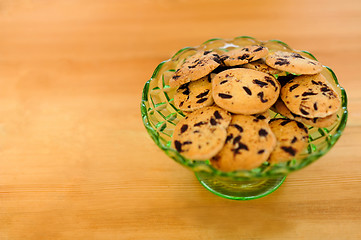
x=315 y=122
x=249 y=143
x=310 y=96
x=292 y=139
x=293 y=62
x=202 y=133
x=195 y=67
x=244 y=91
x=194 y=95
x=244 y=55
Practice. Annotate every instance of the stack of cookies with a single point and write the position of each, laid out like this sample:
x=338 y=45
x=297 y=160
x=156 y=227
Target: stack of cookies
x=226 y=98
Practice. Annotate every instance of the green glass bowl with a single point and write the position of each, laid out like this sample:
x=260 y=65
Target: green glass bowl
x=160 y=116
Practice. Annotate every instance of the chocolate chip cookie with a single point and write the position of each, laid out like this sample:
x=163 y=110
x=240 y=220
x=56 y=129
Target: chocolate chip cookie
x=244 y=91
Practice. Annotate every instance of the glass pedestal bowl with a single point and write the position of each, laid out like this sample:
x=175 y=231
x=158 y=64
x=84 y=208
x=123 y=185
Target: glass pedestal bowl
x=160 y=116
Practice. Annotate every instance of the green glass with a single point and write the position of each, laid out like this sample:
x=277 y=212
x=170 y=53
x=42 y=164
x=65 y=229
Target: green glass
x=160 y=117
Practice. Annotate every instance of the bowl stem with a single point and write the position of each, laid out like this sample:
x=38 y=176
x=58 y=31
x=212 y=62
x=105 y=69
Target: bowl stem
x=239 y=190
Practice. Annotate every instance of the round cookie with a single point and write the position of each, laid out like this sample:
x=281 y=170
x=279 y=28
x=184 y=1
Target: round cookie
x=194 y=95
x=244 y=91
x=244 y=55
x=202 y=133
x=293 y=62
x=292 y=138
x=315 y=122
x=261 y=66
x=310 y=96
x=195 y=67
x=249 y=143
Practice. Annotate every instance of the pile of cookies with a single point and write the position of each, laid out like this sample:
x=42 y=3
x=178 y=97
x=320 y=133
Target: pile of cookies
x=227 y=97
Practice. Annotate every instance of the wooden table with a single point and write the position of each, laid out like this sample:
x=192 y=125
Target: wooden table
x=76 y=161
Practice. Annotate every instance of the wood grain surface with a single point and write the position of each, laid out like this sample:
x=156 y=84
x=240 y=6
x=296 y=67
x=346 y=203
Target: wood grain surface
x=76 y=161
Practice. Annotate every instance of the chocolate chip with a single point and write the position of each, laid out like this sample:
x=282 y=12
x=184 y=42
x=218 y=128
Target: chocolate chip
x=243 y=146
x=244 y=56
x=206 y=52
x=186 y=92
x=300 y=125
x=217 y=59
x=281 y=61
x=223 y=57
x=305 y=98
x=178 y=145
x=199 y=124
x=258 y=49
x=181 y=103
x=229 y=137
x=316 y=83
x=285 y=122
x=175 y=77
x=184 y=128
x=217 y=115
x=315 y=106
x=294 y=140
x=247 y=90
x=236 y=139
x=262 y=132
x=239 y=128
x=260 y=95
x=259 y=83
x=184 y=86
x=261 y=151
x=240 y=147
x=213 y=121
x=304 y=112
x=325 y=89
x=202 y=100
x=296 y=96
x=293 y=87
x=201 y=95
x=269 y=80
x=289 y=150
x=187 y=142
x=223 y=82
x=261 y=117
x=223 y=95
x=296 y=55
x=308 y=94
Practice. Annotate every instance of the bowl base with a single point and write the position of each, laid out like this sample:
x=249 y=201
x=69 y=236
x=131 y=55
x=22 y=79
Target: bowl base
x=239 y=190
